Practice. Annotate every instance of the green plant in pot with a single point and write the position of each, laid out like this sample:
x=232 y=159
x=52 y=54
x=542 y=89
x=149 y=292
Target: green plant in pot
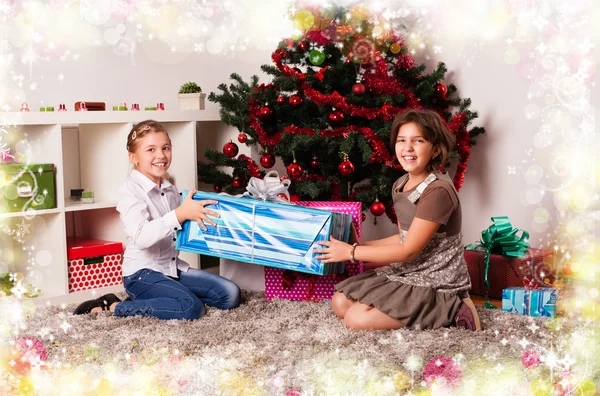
x=191 y=97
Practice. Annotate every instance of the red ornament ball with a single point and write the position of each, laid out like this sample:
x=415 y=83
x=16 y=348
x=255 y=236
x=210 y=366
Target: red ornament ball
x=238 y=182
x=444 y=371
x=294 y=170
x=294 y=198
x=242 y=137
x=230 y=149
x=281 y=99
x=358 y=88
x=346 y=168
x=530 y=359
x=267 y=160
x=265 y=112
x=296 y=100
x=377 y=208
x=315 y=163
x=303 y=45
x=363 y=217
x=336 y=117
x=217 y=188
x=441 y=89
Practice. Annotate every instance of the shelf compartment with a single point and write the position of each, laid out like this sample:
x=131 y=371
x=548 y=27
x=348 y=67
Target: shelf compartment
x=71 y=206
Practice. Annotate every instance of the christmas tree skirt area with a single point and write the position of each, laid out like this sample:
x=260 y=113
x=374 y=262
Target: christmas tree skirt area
x=273 y=347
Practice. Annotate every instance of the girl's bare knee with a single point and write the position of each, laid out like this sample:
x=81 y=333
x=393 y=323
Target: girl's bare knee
x=355 y=320
x=340 y=304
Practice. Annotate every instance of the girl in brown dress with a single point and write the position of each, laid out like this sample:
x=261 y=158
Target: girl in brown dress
x=426 y=285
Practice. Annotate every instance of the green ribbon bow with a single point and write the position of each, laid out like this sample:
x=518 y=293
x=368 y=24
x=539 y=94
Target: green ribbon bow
x=500 y=238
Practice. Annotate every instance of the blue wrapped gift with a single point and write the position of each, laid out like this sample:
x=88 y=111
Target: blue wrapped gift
x=530 y=301
x=266 y=233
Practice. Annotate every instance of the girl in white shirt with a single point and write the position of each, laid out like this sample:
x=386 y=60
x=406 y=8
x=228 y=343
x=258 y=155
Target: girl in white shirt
x=158 y=283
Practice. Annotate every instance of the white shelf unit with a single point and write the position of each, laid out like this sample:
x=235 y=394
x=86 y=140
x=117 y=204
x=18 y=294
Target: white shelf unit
x=88 y=151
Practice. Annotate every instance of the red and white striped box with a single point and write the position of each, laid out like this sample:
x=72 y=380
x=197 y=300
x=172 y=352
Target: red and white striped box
x=93 y=263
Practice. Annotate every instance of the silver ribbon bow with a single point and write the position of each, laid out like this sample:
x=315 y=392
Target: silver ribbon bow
x=269 y=188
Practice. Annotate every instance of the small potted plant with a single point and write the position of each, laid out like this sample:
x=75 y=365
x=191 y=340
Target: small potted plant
x=191 y=97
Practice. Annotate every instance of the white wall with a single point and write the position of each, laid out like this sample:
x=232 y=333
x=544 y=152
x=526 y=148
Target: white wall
x=498 y=92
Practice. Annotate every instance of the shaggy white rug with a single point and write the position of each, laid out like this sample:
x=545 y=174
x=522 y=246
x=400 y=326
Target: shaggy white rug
x=282 y=347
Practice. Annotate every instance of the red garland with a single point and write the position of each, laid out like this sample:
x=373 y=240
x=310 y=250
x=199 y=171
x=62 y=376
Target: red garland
x=385 y=112
x=380 y=150
x=462 y=147
x=252 y=166
x=464 y=151
x=278 y=56
x=380 y=82
x=317 y=37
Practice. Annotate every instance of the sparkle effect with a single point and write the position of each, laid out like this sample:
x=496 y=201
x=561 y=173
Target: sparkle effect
x=548 y=43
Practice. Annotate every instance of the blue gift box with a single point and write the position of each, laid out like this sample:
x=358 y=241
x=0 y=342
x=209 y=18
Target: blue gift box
x=265 y=233
x=532 y=302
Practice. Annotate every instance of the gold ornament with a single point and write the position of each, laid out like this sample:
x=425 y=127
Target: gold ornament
x=395 y=48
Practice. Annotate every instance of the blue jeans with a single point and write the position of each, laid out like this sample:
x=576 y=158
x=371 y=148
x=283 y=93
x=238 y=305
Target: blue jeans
x=157 y=295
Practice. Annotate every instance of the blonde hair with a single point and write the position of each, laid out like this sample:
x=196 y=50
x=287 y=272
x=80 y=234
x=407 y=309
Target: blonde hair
x=434 y=130
x=140 y=130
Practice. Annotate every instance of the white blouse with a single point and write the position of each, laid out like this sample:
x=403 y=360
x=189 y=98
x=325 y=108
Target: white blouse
x=148 y=213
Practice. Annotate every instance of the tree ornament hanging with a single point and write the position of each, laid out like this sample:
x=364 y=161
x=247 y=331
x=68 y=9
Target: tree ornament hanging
x=442 y=90
x=358 y=88
x=217 y=188
x=336 y=117
x=296 y=100
x=242 y=137
x=303 y=45
x=316 y=57
x=315 y=163
x=230 y=149
x=265 y=112
x=281 y=99
x=395 y=48
x=294 y=170
x=377 y=208
x=238 y=182
x=346 y=167
x=267 y=160
x=294 y=198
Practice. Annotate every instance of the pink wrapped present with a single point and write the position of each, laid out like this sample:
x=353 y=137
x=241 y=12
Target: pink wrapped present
x=292 y=285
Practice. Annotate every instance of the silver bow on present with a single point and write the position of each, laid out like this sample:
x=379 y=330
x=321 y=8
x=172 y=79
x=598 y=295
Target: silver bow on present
x=269 y=188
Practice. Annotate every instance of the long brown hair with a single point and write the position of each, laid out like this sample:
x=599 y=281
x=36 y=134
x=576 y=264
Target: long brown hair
x=434 y=130
x=140 y=130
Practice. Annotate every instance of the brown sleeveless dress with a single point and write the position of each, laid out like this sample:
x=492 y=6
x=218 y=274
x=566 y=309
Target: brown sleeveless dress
x=424 y=293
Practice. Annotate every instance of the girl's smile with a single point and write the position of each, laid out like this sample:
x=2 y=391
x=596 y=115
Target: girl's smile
x=152 y=156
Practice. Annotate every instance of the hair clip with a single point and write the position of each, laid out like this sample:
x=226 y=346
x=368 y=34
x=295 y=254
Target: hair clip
x=133 y=135
x=146 y=128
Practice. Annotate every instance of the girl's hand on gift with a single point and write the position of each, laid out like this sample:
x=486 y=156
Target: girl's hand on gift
x=195 y=210
x=334 y=251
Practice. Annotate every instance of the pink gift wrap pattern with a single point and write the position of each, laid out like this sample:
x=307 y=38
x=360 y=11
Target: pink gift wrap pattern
x=291 y=285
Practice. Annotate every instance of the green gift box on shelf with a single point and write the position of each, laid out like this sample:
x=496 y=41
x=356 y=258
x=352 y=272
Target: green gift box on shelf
x=47 y=108
x=150 y=108
x=25 y=186
x=120 y=108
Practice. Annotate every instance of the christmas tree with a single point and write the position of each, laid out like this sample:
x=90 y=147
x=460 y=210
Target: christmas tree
x=328 y=110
